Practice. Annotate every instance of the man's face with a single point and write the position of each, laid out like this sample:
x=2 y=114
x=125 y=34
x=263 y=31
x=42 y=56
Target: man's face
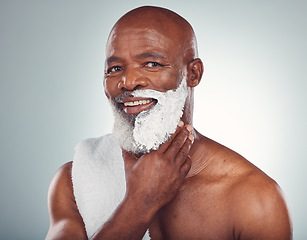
x=143 y=59
x=140 y=58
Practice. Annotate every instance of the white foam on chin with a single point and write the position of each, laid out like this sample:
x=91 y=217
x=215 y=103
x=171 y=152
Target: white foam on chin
x=154 y=126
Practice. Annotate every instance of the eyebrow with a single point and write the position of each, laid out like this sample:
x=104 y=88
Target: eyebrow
x=150 y=54
x=112 y=59
x=141 y=55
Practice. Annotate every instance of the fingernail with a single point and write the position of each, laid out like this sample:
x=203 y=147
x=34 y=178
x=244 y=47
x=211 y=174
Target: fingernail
x=190 y=128
x=191 y=137
x=180 y=124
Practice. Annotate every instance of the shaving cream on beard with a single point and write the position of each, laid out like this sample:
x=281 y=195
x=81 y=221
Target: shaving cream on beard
x=152 y=127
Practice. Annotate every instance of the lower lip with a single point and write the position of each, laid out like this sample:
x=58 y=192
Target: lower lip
x=139 y=108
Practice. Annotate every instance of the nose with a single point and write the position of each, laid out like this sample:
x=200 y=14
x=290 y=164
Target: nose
x=131 y=81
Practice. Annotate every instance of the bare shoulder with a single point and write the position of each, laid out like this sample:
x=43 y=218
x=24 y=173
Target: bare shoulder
x=61 y=180
x=65 y=220
x=260 y=207
x=257 y=203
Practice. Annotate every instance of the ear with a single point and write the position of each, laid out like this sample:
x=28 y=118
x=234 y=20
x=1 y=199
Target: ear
x=195 y=72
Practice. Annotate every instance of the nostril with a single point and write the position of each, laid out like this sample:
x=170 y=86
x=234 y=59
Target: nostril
x=137 y=87
x=121 y=85
x=131 y=83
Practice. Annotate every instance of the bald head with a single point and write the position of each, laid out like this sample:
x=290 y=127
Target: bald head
x=152 y=48
x=163 y=21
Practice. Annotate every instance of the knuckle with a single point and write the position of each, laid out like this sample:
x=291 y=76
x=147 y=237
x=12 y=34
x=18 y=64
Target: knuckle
x=182 y=154
x=177 y=143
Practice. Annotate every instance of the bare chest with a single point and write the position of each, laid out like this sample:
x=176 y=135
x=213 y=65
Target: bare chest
x=194 y=215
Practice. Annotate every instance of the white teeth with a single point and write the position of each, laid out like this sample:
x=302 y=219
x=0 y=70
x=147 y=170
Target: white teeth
x=135 y=103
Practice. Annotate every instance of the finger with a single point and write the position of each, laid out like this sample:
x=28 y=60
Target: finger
x=186 y=166
x=178 y=141
x=164 y=146
x=184 y=151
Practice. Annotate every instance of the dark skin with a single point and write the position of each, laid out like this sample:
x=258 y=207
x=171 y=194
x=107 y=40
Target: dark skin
x=191 y=187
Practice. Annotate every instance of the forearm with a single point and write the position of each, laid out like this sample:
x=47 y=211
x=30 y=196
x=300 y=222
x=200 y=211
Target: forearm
x=152 y=181
x=130 y=221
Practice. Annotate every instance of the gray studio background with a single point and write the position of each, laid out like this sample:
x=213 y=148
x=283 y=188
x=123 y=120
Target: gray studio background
x=252 y=97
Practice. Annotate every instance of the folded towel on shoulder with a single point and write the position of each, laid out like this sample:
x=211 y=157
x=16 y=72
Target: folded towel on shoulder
x=98 y=178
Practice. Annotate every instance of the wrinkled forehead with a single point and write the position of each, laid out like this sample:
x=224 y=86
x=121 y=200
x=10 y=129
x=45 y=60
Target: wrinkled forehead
x=177 y=46
x=135 y=38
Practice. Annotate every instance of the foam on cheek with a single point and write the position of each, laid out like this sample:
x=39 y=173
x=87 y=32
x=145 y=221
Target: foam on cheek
x=154 y=127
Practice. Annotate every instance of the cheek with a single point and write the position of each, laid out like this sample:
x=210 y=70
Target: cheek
x=110 y=87
x=165 y=80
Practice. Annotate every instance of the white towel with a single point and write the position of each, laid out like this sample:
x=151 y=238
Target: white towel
x=98 y=178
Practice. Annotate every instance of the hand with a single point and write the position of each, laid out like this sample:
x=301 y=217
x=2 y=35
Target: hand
x=154 y=179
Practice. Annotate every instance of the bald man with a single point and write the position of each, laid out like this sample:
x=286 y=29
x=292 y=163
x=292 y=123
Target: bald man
x=156 y=173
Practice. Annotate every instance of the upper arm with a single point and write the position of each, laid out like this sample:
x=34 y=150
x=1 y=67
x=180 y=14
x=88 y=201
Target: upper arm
x=264 y=212
x=65 y=220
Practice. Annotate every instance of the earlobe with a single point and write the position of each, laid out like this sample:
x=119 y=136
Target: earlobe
x=195 y=72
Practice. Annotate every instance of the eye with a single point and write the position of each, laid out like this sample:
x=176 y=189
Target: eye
x=152 y=64
x=114 y=69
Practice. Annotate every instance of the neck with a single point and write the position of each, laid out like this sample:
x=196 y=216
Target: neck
x=198 y=155
x=187 y=116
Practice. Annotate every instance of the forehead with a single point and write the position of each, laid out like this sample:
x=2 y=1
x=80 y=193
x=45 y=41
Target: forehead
x=134 y=41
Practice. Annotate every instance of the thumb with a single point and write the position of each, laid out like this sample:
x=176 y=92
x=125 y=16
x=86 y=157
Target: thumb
x=129 y=159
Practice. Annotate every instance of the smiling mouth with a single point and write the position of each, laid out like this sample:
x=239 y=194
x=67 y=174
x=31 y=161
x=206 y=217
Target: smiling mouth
x=135 y=105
